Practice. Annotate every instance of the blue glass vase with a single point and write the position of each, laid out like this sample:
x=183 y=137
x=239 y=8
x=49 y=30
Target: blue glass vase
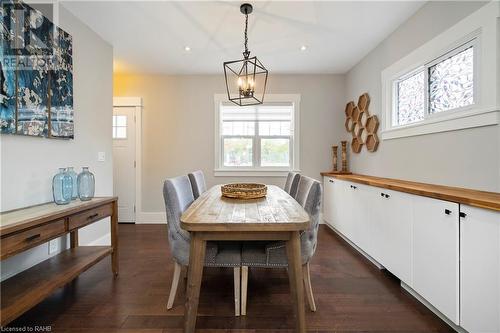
x=62 y=187
x=71 y=172
x=86 y=184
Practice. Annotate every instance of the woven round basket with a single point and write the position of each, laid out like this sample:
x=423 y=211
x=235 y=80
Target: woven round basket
x=244 y=190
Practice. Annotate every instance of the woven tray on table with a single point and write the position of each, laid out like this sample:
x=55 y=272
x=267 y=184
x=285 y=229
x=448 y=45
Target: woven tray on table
x=244 y=190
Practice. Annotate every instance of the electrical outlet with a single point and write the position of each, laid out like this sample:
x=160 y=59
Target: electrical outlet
x=53 y=246
x=101 y=156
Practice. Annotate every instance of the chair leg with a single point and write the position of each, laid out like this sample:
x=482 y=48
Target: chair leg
x=175 y=284
x=244 y=288
x=237 y=282
x=308 y=288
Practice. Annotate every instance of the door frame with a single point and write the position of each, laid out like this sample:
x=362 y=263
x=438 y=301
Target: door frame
x=135 y=102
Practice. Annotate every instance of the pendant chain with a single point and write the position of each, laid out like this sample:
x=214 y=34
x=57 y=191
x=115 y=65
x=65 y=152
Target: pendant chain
x=246 y=54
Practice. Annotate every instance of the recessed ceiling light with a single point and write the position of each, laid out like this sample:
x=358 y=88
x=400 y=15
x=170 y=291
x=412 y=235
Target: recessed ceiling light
x=303 y=48
x=187 y=48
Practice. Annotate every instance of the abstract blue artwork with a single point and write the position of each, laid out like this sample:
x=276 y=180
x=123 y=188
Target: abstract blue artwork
x=36 y=95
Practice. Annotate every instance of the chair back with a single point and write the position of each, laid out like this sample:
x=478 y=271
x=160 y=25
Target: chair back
x=308 y=195
x=292 y=181
x=197 y=183
x=178 y=196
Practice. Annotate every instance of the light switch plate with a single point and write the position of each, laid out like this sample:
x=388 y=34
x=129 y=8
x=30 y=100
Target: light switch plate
x=101 y=156
x=53 y=246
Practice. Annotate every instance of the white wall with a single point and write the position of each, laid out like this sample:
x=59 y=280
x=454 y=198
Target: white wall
x=178 y=125
x=28 y=164
x=465 y=158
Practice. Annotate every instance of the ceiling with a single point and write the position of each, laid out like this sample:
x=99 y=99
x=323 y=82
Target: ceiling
x=151 y=36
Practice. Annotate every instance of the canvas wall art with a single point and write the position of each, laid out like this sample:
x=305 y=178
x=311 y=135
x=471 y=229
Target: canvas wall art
x=36 y=95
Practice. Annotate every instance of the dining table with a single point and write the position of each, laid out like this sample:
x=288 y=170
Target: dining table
x=275 y=217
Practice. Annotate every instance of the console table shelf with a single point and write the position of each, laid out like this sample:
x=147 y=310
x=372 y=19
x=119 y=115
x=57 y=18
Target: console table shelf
x=25 y=228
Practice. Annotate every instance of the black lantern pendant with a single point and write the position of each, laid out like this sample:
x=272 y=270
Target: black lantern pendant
x=246 y=79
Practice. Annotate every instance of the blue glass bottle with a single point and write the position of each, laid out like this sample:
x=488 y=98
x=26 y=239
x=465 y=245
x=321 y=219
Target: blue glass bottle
x=62 y=187
x=86 y=184
x=71 y=172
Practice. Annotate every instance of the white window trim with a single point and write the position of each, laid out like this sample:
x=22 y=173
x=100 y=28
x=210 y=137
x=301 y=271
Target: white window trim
x=480 y=27
x=221 y=171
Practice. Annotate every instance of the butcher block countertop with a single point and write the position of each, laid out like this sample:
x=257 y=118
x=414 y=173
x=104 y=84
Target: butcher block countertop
x=481 y=199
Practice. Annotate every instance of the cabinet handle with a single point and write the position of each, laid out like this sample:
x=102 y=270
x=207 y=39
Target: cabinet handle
x=354 y=187
x=92 y=216
x=462 y=214
x=33 y=237
x=387 y=195
x=382 y=194
x=331 y=181
x=447 y=211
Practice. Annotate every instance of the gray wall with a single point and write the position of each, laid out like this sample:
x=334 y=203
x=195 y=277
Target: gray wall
x=465 y=158
x=178 y=125
x=28 y=164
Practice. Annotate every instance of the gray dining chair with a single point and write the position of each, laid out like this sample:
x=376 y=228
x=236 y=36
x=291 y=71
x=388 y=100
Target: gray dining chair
x=273 y=255
x=292 y=182
x=198 y=184
x=178 y=196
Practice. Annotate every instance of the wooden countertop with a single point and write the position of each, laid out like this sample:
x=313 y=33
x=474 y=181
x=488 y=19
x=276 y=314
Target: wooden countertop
x=481 y=199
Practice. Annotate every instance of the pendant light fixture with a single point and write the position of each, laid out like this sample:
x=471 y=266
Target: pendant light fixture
x=246 y=79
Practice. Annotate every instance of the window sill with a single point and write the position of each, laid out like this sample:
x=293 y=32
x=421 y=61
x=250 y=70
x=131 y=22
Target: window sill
x=445 y=123
x=252 y=172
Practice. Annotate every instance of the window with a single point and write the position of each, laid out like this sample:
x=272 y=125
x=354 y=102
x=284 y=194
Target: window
x=119 y=127
x=256 y=138
x=444 y=84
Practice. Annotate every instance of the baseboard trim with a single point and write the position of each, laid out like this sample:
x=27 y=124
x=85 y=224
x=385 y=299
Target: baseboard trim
x=363 y=253
x=441 y=316
x=151 y=218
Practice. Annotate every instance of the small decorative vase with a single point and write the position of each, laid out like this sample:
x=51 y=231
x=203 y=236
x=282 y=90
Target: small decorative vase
x=344 y=156
x=71 y=172
x=62 y=187
x=86 y=184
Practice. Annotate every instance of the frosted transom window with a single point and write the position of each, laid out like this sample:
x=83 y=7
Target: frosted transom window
x=411 y=99
x=451 y=82
x=119 y=127
x=444 y=84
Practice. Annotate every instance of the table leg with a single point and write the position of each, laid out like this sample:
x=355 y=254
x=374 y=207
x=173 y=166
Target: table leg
x=73 y=239
x=196 y=260
x=295 y=276
x=114 y=238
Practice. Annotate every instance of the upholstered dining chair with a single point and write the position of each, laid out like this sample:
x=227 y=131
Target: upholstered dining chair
x=198 y=184
x=291 y=184
x=178 y=196
x=273 y=255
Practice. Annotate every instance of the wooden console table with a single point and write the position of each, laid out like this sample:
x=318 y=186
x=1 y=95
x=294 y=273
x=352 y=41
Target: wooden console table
x=24 y=228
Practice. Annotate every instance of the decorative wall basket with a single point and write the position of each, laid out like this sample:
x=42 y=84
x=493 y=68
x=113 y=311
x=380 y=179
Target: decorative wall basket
x=244 y=191
x=362 y=126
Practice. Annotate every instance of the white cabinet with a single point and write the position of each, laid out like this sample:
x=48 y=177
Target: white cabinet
x=480 y=270
x=329 y=200
x=391 y=231
x=436 y=254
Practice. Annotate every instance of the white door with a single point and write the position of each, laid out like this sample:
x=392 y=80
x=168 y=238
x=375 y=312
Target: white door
x=436 y=254
x=124 y=161
x=480 y=270
x=328 y=201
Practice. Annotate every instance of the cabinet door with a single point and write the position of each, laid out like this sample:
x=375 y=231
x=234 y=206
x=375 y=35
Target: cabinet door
x=436 y=254
x=394 y=219
x=362 y=201
x=342 y=208
x=328 y=201
x=480 y=270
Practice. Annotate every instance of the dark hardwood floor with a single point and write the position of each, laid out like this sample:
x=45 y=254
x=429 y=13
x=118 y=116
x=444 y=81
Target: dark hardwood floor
x=351 y=295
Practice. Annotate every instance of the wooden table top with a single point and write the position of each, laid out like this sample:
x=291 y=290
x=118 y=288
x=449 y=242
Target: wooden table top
x=278 y=211
x=481 y=199
x=13 y=220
